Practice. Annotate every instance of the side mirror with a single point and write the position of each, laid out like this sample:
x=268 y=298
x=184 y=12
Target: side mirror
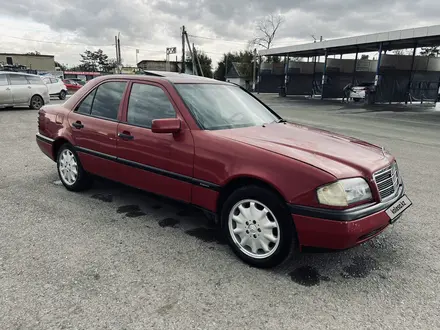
x=167 y=125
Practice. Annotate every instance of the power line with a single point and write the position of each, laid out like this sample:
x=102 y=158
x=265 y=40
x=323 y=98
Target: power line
x=217 y=39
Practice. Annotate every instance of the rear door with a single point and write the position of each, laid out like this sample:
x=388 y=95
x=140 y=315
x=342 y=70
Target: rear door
x=21 y=90
x=94 y=123
x=160 y=163
x=5 y=91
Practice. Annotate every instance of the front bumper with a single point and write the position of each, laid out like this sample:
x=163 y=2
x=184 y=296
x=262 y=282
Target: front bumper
x=341 y=229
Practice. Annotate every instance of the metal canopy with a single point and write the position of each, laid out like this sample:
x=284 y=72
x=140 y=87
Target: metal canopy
x=400 y=39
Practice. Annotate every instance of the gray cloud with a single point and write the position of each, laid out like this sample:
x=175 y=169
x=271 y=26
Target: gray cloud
x=156 y=23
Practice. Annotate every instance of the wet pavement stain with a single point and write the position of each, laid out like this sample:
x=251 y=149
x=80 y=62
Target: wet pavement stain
x=57 y=183
x=135 y=214
x=208 y=235
x=169 y=222
x=360 y=267
x=128 y=208
x=307 y=276
x=103 y=197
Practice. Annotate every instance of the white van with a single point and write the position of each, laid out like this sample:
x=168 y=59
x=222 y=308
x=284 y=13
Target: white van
x=22 y=89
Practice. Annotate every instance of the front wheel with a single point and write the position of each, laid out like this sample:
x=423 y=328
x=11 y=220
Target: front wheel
x=62 y=95
x=258 y=227
x=70 y=170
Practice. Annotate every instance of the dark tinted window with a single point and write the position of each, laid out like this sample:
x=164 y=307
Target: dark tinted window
x=86 y=105
x=18 y=79
x=107 y=99
x=147 y=103
x=3 y=80
x=34 y=80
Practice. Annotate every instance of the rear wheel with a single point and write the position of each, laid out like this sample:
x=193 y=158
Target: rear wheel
x=70 y=170
x=36 y=102
x=258 y=227
x=62 y=95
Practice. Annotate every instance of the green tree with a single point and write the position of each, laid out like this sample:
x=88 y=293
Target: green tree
x=243 y=57
x=205 y=63
x=96 y=61
x=61 y=66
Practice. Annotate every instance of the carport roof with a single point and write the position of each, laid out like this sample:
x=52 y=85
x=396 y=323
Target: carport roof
x=399 y=39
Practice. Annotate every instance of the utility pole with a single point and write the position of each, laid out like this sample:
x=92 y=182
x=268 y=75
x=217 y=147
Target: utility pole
x=226 y=65
x=119 y=52
x=194 y=68
x=198 y=60
x=182 y=69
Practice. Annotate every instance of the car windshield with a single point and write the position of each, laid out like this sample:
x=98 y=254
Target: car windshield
x=217 y=106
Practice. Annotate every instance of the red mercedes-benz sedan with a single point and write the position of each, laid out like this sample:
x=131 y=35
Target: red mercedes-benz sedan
x=274 y=186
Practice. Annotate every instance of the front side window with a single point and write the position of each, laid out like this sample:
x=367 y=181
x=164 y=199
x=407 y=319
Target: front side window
x=107 y=99
x=18 y=79
x=53 y=80
x=217 y=106
x=34 y=80
x=147 y=103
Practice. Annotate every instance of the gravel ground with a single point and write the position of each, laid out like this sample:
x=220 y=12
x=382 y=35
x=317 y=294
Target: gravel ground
x=117 y=258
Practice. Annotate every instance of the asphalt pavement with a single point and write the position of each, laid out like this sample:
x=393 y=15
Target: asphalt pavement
x=118 y=258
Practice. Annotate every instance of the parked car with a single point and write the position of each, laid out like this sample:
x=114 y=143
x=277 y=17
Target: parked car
x=56 y=87
x=71 y=85
x=22 y=89
x=78 y=80
x=358 y=91
x=273 y=186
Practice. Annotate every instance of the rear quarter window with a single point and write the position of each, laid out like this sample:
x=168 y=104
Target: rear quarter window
x=33 y=80
x=3 y=80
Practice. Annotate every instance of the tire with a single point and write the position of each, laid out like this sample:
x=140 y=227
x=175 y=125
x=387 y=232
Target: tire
x=36 y=102
x=72 y=182
x=356 y=99
x=62 y=95
x=277 y=225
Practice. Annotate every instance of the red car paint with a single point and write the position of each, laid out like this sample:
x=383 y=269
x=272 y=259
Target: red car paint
x=71 y=85
x=196 y=166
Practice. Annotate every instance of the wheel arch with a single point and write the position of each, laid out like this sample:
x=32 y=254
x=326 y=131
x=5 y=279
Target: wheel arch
x=242 y=181
x=57 y=145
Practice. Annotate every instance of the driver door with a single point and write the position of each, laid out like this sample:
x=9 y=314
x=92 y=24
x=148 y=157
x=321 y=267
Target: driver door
x=159 y=163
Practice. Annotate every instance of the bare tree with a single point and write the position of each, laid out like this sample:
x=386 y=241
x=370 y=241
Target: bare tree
x=430 y=51
x=403 y=52
x=266 y=30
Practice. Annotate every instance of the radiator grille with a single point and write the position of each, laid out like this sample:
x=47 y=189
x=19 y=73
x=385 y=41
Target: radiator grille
x=387 y=181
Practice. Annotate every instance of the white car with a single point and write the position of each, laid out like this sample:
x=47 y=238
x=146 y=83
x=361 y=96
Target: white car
x=56 y=87
x=358 y=91
x=22 y=89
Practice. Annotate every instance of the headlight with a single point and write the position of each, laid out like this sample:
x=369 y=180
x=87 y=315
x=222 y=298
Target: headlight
x=344 y=192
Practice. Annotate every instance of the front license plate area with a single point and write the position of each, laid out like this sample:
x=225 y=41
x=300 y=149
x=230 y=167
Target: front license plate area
x=396 y=210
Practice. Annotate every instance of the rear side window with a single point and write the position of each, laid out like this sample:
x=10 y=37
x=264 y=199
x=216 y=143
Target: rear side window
x=107 y=99
x=18 y=79
x=85 y=107
x=46 y=80
x=147 y=103
x=34 y=80
x=3 y=80
x=53 y=80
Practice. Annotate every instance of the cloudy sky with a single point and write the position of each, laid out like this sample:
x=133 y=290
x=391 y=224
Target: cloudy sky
x=67 y=28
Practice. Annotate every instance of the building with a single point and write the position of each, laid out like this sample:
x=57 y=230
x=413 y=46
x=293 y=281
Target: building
x=85 y=76
x=158 y=65
x=27 y=61
x=240 y=74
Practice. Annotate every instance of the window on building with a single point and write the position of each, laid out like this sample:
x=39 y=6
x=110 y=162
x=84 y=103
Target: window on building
x=9 y=60
x=147 y=103
x=107 y=99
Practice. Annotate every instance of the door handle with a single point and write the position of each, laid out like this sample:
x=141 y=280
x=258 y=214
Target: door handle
x=29 y=87
x=8 y=89
x=126 y=136
x=77 y=125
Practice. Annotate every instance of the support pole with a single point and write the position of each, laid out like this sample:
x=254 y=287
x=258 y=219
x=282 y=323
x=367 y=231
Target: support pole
x=259 y=74
x=182 y=69
x=194 y=68
x=226 y=65
x=376 y=79
x=354 y=67
x=408 y=88
x=324 y=76
x=286 y=73
x=313 y=77
x=254 y=66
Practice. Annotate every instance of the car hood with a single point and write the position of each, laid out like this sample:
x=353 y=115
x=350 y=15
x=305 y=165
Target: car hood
x=336 y=154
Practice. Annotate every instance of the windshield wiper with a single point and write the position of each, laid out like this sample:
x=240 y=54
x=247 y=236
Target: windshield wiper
x=281 y=120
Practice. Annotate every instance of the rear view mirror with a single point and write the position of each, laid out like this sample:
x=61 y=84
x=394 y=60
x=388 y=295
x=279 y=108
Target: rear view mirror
x=167 y=125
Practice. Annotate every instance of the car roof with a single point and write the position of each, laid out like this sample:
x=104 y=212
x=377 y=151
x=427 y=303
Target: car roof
x=173 y=77
x=22 y=73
